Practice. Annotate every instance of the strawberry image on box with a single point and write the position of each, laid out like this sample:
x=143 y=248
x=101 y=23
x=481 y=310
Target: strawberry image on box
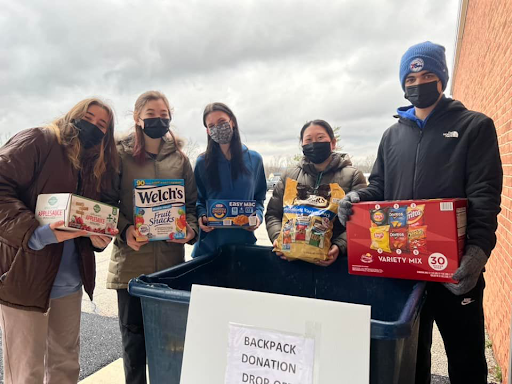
x=408 y=239
x=78 y=213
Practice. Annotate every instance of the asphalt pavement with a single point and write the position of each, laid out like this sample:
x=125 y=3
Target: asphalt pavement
x=100 y=343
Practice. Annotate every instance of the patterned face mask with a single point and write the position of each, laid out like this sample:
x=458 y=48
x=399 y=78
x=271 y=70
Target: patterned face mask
x=221 y=133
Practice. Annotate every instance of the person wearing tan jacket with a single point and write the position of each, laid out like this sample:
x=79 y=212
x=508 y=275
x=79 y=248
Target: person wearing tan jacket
x=320 y=165
x=151 y=152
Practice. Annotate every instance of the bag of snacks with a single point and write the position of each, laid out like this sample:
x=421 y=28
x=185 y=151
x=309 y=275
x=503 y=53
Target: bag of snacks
x=308 y=216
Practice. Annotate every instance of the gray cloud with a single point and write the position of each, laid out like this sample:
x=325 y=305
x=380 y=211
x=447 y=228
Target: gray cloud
x=277 y=64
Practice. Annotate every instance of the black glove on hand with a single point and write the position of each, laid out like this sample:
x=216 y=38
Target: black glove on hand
x=345 y=207
x=471 y=266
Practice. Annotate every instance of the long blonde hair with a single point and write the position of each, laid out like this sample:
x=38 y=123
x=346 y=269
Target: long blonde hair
x=139 y=152
x=105 y=155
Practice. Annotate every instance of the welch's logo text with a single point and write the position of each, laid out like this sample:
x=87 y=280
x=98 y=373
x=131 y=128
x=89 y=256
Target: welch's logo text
x=154 y=196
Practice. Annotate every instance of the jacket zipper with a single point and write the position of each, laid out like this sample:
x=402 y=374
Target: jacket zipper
x=416 y=163
x=318 y=179
x=230 y=177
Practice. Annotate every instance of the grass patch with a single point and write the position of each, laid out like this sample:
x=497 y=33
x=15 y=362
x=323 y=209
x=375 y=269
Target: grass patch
x=498 y=374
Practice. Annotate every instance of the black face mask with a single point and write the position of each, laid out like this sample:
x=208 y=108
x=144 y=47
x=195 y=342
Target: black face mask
x=317 y=152
x=422 y=95
x=89 y=134
x=156 y=127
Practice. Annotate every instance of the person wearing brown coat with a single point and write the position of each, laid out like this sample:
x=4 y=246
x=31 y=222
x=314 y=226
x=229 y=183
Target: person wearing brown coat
x=151 y=152
x=42 y=268
x=320 y=165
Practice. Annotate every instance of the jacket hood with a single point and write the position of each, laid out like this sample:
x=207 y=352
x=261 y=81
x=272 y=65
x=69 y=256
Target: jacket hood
x=338 y=161
x=445 y=105
x=126 y=142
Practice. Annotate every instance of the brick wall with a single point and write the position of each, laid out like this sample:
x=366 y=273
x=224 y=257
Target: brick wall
x=483 y=82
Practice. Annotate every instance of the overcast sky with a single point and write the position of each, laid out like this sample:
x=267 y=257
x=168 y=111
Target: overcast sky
x=276 y=63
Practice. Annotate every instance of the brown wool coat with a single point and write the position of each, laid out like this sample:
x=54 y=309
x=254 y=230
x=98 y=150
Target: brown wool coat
x=32 y=163
x=125 y=263
x=339 y=170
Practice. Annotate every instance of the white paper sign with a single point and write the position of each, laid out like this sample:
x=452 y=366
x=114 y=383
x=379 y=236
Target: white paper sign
x=268 y=357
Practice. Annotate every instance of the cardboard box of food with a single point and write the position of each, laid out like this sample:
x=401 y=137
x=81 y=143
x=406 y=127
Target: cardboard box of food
x=417 y=240
x=78 y=213
x=159 y=209
x=231 y=213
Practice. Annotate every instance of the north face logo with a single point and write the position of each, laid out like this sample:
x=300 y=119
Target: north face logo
x=453 y=134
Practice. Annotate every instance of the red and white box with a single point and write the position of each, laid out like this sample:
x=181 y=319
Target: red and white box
x=78 y=213
x=407 y=239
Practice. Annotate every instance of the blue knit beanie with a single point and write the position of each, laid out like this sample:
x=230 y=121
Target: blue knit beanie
x=424 y=56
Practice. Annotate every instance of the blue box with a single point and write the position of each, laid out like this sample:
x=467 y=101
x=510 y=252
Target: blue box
x=231 y=213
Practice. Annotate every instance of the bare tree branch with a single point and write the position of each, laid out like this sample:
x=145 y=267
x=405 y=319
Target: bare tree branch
x=279 y=163
x=192 y=150
x=4 y=138
x=365 y=165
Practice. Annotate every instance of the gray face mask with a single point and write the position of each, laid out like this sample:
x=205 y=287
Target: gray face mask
x=221 y=133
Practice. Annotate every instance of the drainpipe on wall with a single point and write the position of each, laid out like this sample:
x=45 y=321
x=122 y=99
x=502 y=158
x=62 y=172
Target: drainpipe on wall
x=463 y=10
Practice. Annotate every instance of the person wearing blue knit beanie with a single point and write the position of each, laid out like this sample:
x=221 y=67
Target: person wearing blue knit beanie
x=425 y=56
x=440 y=149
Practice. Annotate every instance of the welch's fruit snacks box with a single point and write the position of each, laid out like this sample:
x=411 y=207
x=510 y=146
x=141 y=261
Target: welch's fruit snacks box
x=231 y=213
x=159 y=209
x=78 y=213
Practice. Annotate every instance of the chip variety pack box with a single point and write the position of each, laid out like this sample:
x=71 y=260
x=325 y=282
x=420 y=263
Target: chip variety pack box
x=159 y=209
x=78 y=213
x=231 y=213
x=417 y=240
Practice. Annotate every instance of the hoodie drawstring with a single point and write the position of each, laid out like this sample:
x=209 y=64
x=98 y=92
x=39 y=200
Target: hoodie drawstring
x=318 y=179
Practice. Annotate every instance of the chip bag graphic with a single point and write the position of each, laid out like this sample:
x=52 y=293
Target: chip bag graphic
x=415 y=215
x=380 y=238
x=379 y=217
x=397 y=217
x=398 y=229
x=418 y=239
x=307 y=224
x=398 y=239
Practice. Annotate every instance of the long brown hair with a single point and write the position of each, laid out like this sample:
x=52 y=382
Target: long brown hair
x=211 y=156
x=103 y=156
x=139 y=151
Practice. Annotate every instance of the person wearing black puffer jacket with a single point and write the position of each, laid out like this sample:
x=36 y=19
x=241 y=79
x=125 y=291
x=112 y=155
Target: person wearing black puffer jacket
x=440 y=149
x=320 y=165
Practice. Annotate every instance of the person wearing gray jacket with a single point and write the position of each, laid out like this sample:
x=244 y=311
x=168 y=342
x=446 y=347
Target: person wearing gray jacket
x=320 y=165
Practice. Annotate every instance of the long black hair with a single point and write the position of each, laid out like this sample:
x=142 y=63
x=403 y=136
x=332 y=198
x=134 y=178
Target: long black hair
x=213 y=150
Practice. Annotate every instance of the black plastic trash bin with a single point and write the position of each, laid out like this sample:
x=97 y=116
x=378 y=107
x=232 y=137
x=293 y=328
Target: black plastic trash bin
x=165 y=298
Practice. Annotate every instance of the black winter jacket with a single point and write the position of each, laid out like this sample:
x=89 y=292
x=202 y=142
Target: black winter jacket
x=456 y=154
